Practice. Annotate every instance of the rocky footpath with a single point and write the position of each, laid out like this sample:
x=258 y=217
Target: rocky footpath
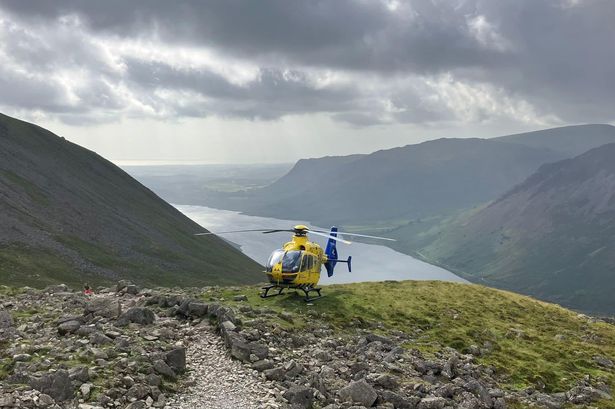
x=169 y=348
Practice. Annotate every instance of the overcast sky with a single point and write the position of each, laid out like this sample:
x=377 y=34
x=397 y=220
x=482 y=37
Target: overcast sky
x=276 y=80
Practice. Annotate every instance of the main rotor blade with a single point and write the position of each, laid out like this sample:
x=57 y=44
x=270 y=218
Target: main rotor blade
x=356 y=235
x=318 y=233
x=238 y=231
x=277 y=231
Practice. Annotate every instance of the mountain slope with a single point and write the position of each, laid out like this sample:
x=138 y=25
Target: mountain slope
x=568 y=140
x=395 y=184
x=553 y=236
x=68 y=215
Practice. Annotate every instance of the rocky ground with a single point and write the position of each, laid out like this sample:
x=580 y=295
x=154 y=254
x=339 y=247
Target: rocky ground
x=168 y=348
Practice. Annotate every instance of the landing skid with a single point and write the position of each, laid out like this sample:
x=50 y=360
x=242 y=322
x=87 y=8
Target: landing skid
x=265 y=294
x=306 y=292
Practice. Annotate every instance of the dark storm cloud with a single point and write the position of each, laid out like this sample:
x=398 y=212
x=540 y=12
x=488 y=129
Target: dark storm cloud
x=526 y=58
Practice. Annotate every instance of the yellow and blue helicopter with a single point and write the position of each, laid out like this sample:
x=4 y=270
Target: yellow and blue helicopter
x=298 y=263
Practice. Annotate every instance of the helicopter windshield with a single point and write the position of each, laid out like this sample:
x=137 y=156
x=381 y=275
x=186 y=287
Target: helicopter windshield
x=274 y=259
x=291 y=260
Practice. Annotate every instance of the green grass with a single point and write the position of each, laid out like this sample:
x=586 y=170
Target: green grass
x=439 y=315
x=23 y=265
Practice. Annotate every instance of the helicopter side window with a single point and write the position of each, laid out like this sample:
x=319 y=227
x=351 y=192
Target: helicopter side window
x=307 y=263
x=291 y=261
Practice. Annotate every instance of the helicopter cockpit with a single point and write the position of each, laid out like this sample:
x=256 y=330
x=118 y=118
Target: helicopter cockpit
x=292 y=261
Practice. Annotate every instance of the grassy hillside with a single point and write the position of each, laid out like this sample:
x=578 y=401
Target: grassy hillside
x=551 y=236
x=528 y=343
x=68 y=215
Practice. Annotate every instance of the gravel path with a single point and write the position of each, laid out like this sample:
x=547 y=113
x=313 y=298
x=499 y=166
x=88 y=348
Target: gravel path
x=215 y=381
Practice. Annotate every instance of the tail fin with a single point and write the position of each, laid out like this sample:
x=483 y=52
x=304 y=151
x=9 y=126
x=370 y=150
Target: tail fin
x=331 y=252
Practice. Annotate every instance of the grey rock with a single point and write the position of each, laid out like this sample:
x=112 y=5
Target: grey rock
x=7 y=401
x=80 y=373
x=262 y=365
x=122 y=284
x=60 y=288
x=227 y=326
x=176 y=359
x=137 y=405
x=106 y=307
x=387 y=381
x=286 y=316
x=400 y=402
x=322 y=355
x=153 y=380
x=604 y=361
x=240 y=298
x=68 y=327
x=197 y=309
x=480 y=391
x=22 y=357
x=137 y=391
x=44 y=400
x=299 y=396
x=132 y=289
x=137 y=315
x=6 y=319
x=98 y=338
x=193 y=309
x=55 y=384
x=359 y=392
x=275 y=374
x=85 y=390
x=163 y=369
x=432 y=403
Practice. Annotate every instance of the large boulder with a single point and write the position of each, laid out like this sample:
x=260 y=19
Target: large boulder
x=299 y=396
x=137 y=315
x=192 y=309
x=69 y=327
x=359 y=392
x=176 y=359
x=55 y=384
x=164 y=369
x=105 y=307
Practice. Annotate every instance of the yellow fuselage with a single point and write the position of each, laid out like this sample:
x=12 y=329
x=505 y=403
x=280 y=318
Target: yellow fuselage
x=297 y=264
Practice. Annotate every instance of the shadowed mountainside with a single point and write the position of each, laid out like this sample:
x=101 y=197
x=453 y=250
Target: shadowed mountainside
x=415 y=181
x=551 y=236
x=68 y=215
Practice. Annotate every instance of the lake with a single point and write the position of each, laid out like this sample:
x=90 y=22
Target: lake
x=370 y=262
